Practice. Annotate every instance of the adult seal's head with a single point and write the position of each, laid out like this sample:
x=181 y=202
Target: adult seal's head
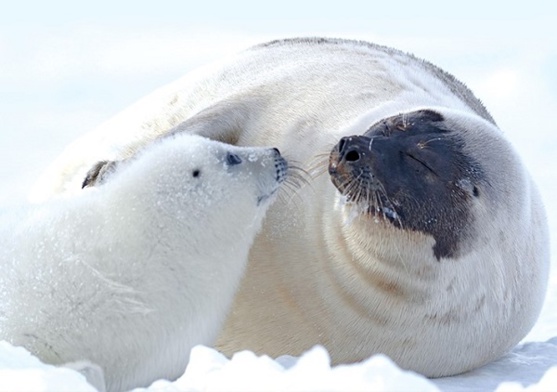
x=441 y=235
x=414 y=172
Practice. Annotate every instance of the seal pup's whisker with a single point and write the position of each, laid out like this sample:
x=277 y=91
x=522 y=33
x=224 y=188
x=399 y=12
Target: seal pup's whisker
x=318 y=164
x=297 y=181
x=299 y=176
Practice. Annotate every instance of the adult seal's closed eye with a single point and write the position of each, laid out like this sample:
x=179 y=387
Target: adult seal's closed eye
x=427 y=239
x=134 y=271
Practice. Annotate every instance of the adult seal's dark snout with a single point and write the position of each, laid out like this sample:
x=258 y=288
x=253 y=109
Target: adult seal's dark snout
x=350 y=160
x=353 y=169
x=413 y=171
x=427 y=239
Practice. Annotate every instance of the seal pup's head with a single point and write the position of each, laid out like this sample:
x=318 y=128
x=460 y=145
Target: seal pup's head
x=422 y=171
x=195 y=181
x=191 y=165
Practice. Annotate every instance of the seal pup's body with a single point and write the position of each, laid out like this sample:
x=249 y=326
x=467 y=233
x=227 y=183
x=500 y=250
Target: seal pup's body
x=134 y=272
x=439 y=289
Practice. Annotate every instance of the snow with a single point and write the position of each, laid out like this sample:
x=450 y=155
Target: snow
x=530 y=367
x=20 y=371
x=211 y=371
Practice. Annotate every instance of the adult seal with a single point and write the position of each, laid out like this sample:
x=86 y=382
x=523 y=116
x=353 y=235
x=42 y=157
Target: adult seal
x=420 y=234
x=141 y=266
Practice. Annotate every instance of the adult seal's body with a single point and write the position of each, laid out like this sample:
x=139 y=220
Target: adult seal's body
x=427 y=239
x=134 y=272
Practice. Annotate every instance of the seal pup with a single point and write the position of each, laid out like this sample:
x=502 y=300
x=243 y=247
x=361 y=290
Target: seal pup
x=139 y=268
x=432 y=250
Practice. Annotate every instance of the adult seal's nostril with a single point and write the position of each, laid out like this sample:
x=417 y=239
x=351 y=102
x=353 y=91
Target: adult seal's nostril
x=352 y=156
x=352 y=149
x=342 y=144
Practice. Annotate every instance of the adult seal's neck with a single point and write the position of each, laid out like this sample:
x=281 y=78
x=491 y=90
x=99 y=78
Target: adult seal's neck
x=396 y=263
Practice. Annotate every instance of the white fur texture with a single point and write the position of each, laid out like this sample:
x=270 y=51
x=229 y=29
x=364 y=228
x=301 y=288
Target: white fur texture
x=133 y=273
x=320 y=273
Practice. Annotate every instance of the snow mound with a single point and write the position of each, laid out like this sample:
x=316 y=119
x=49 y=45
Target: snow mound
x=20 y=371
x=530 y=367
x=211 y=371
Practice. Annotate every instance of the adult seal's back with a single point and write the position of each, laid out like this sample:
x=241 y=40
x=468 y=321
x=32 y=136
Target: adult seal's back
x=420 y=233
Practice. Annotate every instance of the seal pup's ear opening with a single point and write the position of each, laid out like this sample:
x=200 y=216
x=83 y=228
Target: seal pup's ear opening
x=99 y=173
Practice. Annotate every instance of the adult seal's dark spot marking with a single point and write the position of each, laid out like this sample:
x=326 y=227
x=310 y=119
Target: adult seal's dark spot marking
x=410 y=169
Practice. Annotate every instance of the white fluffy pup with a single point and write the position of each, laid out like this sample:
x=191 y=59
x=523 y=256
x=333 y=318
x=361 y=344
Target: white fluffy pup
x=133 y=272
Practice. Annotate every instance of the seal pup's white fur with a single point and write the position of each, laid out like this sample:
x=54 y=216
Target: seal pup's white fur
x=132 y=273
x=321 y=271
